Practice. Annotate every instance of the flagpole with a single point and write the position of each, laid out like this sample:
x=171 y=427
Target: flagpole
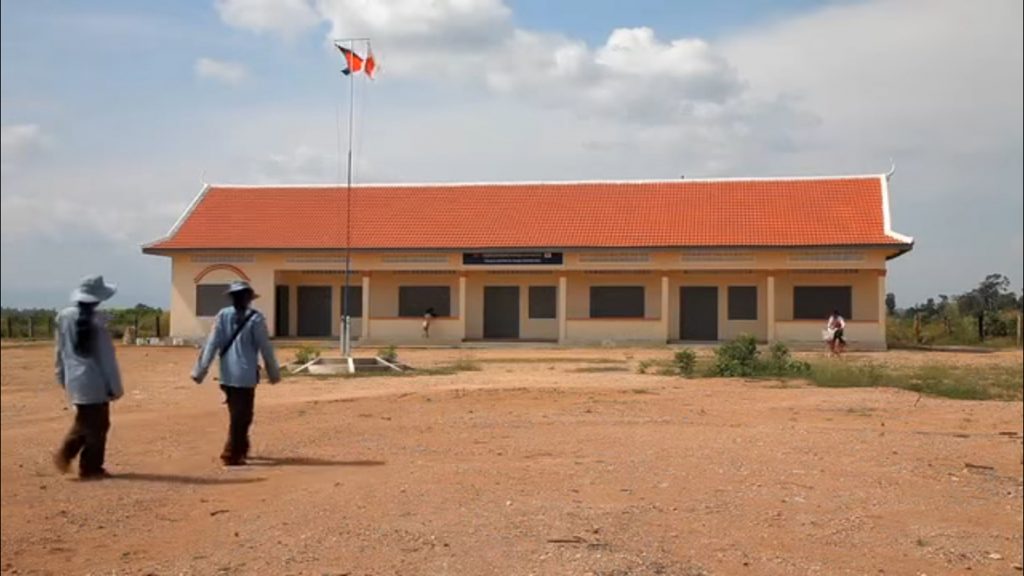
x=346 y=347
x=346 y=328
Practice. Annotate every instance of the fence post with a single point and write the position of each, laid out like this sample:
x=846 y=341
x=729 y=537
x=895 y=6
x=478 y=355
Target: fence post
x=917 y=328
x=135 y=323
x=31 y=329
x=10 y=327
x=158 y=334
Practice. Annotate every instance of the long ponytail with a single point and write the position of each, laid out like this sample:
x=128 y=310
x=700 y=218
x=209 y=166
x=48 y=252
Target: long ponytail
x=85 y=331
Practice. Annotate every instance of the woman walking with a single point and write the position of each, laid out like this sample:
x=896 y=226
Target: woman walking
x=86 y=368
x=239 y=335
x=834 y=328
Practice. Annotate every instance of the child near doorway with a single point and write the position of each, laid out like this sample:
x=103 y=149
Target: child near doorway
x=427 y=317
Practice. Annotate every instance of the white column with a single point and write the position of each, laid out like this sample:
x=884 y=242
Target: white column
x=769 y=312
x=365 y=331
x=665 y=316
x=882 y=310
x=563 y=286
x=462 y=305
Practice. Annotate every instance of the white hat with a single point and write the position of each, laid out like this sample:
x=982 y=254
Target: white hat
x=241 y=286
x=92 y=290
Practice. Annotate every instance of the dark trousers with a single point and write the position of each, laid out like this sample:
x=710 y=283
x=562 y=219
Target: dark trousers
x=240 y=403
x=88 y=438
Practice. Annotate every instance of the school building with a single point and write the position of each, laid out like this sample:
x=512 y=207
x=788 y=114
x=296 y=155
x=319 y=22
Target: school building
x=566 y=262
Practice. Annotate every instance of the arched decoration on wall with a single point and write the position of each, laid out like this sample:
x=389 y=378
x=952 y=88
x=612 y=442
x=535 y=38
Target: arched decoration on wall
x=215 y=267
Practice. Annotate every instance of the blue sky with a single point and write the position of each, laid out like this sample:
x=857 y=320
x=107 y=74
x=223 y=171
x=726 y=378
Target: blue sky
x=113 y=112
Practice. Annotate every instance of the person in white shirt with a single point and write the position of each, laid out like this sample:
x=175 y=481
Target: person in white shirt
x=428 y=317
x=835 y=327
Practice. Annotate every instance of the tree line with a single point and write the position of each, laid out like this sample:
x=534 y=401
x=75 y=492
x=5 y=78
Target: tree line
x=39 y=322
x=990 y=310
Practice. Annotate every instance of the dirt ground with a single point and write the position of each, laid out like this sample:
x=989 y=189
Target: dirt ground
x=529 y=466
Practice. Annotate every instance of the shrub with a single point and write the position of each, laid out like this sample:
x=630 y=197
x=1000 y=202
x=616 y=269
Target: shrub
x=643 y=366
x=388 y=353
x=306 y=354
x=685 y=361
x=781 y=362
x=737 y=358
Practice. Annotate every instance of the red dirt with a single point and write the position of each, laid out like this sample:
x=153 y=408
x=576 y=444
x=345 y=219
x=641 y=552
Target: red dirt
x=521 y=468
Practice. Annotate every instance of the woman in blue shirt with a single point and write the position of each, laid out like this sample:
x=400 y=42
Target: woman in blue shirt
x=86 y=368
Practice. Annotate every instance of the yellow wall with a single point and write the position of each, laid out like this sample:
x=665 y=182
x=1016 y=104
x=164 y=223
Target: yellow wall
x=386 y=272
x=727 y=329
x=336 y=280
x=864 y=284
x=529 y=328
x=409 y=331
x=184 y=323
x=614 y=330
x=384 y=290
x=581 y=282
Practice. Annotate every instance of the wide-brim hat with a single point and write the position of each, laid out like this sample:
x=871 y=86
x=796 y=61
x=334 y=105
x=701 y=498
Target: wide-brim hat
x=241 y=286
x=93 y=290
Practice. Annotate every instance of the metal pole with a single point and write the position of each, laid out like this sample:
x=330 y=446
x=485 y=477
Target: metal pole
x=346 y=328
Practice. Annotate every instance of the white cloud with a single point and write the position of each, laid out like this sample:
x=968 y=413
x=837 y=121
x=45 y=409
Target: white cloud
x=18 y=141
x=633 y=75
x=450 y=26
x=681 y=92
x=284 y=17
x=230 y=73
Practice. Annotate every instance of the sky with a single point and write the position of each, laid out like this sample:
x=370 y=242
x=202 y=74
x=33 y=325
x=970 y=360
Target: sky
x=115 y=113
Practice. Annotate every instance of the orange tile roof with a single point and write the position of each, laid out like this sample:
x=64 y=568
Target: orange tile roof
x=703 y=213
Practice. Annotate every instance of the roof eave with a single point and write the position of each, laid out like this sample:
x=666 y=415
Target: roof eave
x=155 y=249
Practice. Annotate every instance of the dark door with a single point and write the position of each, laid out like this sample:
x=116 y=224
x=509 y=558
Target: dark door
x=698 y=318
x=314 y=311
x=501 y=312
x=281 y=308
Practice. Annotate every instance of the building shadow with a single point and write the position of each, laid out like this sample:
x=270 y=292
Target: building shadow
x=181 y=479
x=307 y=461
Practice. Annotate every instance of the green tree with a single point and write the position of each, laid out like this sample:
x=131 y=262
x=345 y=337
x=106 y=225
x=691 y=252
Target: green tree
x=890 y=303
x=991 y=296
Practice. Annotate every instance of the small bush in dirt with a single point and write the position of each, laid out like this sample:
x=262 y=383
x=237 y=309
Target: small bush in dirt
x=737 y=358
x=306 y=354
x=388 y=353
x=781 y=362
x=685 y=361
x=643 y=366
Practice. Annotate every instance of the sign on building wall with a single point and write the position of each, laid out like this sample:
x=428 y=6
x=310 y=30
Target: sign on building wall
x=511 y=258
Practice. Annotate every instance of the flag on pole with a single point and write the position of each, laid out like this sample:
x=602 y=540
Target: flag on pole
x=353 y=61
x=370 y=65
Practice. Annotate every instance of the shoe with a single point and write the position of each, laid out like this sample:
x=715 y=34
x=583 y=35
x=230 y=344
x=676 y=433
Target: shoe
x=61 y=463
x=100 y=474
